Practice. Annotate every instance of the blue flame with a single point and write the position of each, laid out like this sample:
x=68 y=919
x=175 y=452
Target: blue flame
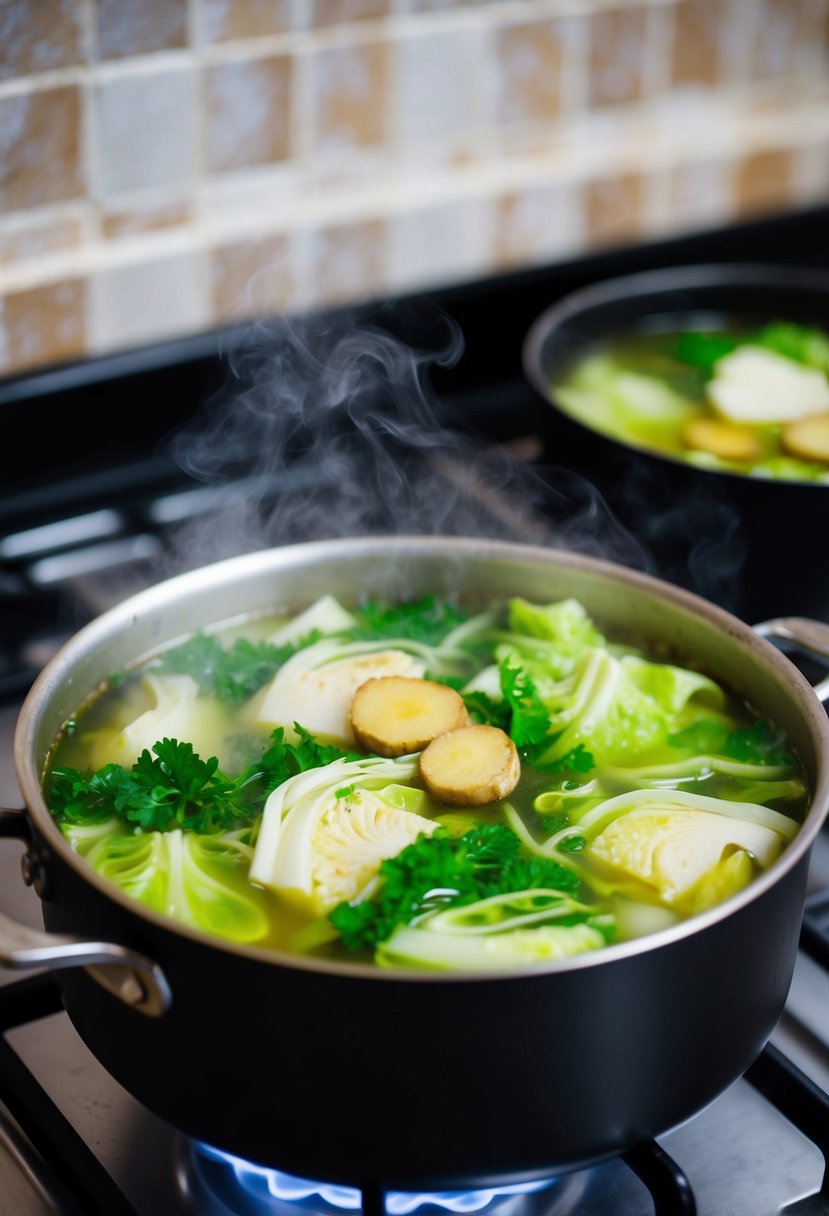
x=272 y=1184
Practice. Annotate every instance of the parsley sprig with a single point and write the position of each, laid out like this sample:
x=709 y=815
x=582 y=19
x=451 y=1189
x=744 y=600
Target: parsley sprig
x=173 y=787
x=427 y=620
x=233 y=673
x=442 y=870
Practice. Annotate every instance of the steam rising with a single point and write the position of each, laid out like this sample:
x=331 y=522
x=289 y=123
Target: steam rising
x=329 y=428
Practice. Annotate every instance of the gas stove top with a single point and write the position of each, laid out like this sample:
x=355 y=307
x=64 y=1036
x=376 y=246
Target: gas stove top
x=95 y=503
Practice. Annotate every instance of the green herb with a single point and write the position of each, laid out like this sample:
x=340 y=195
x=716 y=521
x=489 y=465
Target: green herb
x=577 y=760
x=530 y=719
x=704 y=350
x=232 y=674
x=486 y=711
x=442 y=870
x=797 y=342
x=426 y=620
x=176 y=788
x=800 y=343
x=283 y=760
x=760 y=743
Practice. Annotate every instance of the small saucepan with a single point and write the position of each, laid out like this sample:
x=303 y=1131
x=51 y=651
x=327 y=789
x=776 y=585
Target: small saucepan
x=349 y=1072
x=751 y=543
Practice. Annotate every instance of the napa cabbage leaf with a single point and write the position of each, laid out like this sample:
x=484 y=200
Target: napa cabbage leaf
x=198 y=880
x=176 y=709
x=504 y=930
x=324 y=833
x=679 y=844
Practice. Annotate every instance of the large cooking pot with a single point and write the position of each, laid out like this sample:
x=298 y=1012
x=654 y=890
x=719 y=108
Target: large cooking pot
x=348 y=1073
x=748 y=543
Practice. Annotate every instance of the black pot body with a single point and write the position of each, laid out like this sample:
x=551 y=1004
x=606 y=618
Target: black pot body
x=751 y=545
x=422 y=1083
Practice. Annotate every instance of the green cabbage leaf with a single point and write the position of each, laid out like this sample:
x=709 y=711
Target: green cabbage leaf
x=197 y=880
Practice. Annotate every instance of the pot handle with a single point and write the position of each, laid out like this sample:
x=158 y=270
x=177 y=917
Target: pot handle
x=131 y=977
x=811 y=636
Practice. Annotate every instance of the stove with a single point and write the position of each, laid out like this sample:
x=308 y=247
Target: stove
x=98 y=501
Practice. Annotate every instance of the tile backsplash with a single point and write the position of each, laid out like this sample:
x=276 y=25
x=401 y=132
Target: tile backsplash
x=172 y=165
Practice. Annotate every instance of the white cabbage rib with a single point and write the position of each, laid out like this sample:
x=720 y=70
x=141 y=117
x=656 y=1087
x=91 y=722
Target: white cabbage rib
x=178 y=710
x=317 y=685
x=322 y=840
x=594 y=820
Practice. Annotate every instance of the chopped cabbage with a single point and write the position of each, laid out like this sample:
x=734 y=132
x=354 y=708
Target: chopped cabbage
x=316 y=689
x=198 y=880
x=419 y=947
x=178 y=710
x=753 y=384
x=325 y=616
x=325 y=832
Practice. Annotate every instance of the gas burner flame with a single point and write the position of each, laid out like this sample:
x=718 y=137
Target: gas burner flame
x=274 y=1188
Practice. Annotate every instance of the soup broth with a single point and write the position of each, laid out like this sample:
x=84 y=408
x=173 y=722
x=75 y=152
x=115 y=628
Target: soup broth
x=739 y=398
x=423 y=785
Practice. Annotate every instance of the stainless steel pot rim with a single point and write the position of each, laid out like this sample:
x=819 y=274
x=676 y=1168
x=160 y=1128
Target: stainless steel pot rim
x=657 y=282
x=389 y=548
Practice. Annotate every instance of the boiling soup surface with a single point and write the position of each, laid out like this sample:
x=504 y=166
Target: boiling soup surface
x=423 y=785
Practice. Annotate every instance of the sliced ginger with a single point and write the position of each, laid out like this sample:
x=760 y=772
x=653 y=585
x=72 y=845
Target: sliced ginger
x=398 y=715
x=722 y=439
x=807 y=438
x=470 y=766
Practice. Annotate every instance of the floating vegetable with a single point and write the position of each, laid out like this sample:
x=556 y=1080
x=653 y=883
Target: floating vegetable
x=398 y=715
x=470 y=766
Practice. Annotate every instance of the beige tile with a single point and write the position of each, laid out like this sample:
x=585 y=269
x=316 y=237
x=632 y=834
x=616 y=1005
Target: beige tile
x=536 y=225
x=252 y=278
x=139 y=27
x=342 y=12
x=40 y=148
x=221 y=20
x=40 y=36
x=44 y=324
x=764 y=182
x=348 y=262
x=618 y=52
x=148 y=300
x=351 y=97
x=780 y=36
x=696 y=53
x=145 y=130
x=431 y=6
x=123 y=223
x=39 y=235
x=529 y=59
x=698 y=194
x=435 y=109
x=432 y=246
x=249 y=110
x=614 y=209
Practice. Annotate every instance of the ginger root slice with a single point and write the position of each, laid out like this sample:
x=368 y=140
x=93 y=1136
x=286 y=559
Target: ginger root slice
x=807 y=438
x=398 y=715
x=470 y=766
x=723 y=439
